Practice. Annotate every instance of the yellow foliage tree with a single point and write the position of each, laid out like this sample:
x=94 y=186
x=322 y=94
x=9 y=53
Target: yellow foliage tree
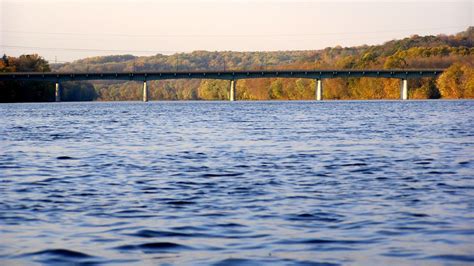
x=457 y=81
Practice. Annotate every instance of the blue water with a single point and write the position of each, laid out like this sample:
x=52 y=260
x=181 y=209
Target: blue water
x=242 y=183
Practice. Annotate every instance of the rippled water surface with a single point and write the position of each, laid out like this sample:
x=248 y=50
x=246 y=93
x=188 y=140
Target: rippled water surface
x=237 y=183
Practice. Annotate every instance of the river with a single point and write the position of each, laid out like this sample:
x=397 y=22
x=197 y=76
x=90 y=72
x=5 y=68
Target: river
x=237 y=183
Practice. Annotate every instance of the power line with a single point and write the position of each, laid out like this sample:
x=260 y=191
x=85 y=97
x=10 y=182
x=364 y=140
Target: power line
x=164 y=51
x=225 y=35
x=85 y=49
x=144 y=51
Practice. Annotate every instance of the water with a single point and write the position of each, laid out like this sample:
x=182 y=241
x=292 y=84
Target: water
x=278 y=183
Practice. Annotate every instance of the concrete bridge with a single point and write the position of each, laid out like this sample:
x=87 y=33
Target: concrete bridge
x=230 y=75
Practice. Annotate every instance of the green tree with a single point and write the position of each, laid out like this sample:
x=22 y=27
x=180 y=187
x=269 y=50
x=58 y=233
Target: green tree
x=276 y=90
x=25 y=91
x=213 y=90
x=394 y=62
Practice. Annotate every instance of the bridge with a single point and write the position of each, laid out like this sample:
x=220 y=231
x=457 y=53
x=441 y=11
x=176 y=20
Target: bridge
x=230 y=75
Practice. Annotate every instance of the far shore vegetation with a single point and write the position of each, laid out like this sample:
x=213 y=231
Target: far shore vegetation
x=455 y=53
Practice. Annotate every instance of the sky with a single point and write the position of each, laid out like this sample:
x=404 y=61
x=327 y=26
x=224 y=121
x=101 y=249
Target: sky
x=66 y=30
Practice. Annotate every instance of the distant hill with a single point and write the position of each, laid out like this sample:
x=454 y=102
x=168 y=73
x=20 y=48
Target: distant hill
x=440 y=51
x=335 y=57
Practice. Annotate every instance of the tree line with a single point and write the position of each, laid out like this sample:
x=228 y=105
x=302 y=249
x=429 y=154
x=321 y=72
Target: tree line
x=454 y=52
x=38 y=91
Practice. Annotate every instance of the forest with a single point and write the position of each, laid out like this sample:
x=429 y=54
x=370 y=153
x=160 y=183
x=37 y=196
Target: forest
x=453 y=52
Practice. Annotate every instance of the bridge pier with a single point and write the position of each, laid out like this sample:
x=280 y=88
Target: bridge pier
x=145 y=91
x=232 y=90
x=319 y=89
x=58 y=92
x=404 y=89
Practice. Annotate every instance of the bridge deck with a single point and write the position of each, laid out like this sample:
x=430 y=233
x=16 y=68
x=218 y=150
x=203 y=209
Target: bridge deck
x=226 y=75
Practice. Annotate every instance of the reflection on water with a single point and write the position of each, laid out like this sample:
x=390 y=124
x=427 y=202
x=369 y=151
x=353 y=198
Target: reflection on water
x=237 y=183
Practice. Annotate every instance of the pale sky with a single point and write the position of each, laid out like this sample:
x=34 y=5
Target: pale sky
x=69 y=30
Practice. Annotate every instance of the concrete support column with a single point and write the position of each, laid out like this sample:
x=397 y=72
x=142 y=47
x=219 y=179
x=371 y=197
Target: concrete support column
x=145 y=91
x=404 y=89
x=232 y=90
x=58 y=92
x=319 y=89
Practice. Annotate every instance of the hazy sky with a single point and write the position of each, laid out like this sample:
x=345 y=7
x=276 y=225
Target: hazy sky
x=75 y=29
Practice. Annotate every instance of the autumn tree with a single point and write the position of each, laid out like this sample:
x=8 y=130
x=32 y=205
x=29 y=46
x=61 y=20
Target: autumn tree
x=457 y=81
